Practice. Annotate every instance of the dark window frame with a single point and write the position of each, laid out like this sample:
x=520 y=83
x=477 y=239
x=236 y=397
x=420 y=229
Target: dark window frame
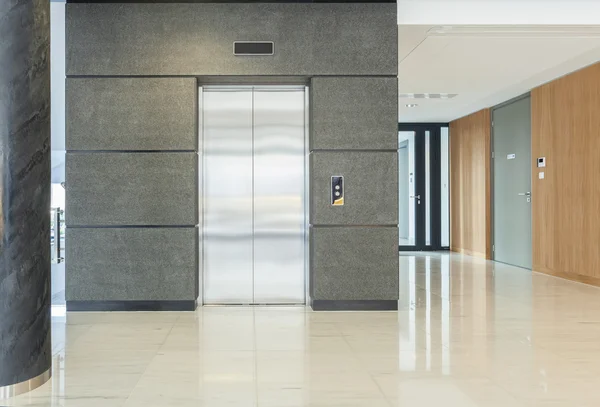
x=435 y=215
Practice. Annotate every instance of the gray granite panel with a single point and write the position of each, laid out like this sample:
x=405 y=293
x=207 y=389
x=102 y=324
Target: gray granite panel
x=129 y=264
x=197 y=39
x=370 y=183
x=131 y=189
x=131 y=114
x=354 y=113
x=354 y=263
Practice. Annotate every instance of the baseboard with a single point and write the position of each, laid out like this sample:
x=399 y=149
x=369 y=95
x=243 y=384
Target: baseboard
x=177 y=305
x=568 y=276
x=354 y=305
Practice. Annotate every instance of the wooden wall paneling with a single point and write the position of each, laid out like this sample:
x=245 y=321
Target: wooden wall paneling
x=470 y=204
x=566 y=203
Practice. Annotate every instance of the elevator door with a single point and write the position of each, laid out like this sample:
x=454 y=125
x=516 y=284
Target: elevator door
x=253 y=195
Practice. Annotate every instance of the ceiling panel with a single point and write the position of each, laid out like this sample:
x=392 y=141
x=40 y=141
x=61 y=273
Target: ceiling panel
x=482 y=70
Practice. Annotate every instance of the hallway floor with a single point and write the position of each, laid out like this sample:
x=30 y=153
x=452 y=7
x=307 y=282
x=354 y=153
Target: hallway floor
x=470 y=333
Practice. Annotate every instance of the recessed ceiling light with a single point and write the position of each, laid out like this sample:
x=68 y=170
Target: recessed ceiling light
x=411 y=105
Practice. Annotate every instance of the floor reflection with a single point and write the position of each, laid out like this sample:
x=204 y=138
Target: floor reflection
x=468 y=333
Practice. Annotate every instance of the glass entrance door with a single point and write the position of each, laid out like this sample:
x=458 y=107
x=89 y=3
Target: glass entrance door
x=423 y=187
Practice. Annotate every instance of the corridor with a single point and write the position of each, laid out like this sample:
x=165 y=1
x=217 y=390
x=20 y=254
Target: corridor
x=469 y=333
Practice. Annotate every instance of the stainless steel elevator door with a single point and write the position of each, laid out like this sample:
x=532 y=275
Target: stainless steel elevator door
x=278 y=196
x=254 y=194
x=227 y=172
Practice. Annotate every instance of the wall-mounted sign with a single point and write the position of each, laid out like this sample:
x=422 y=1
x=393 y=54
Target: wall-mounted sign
x=337 y=190
x=241 y=48
x=511 y=156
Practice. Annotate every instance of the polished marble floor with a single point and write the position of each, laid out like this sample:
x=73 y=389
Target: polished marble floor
x=470 y=333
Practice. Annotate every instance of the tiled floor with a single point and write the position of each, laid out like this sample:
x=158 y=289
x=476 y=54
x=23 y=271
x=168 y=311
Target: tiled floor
x=470 y=333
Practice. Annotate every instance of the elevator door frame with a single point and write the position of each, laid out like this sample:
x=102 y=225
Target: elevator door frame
x=201 y=186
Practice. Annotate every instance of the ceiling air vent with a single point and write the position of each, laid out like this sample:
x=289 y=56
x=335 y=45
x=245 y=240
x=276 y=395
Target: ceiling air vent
x=427 y=95
x=516 y=31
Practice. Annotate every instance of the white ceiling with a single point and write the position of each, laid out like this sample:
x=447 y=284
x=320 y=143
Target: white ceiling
x=483 y=65
x=489 y=12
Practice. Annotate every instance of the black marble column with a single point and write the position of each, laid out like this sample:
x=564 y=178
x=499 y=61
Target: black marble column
x=25 y=348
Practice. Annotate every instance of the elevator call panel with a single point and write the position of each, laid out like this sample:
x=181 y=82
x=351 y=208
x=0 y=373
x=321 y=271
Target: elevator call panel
x=337 y=190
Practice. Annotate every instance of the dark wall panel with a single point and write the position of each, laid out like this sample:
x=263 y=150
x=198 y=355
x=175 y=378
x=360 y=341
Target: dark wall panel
x=131 y=189
x=131 y=114
x=370 y=184
x=197 y=39
x=354 y=113
x=131 y=264
x=354 y=263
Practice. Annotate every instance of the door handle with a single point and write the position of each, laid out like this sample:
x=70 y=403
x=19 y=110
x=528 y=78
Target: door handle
x=417 y=197
x=524 y=193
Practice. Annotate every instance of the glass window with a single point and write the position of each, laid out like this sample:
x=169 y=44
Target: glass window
x=427 y=189
x=406 y=187
x=445 y=186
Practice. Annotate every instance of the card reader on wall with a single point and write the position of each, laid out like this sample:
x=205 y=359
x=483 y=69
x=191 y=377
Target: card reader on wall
x=337 y=190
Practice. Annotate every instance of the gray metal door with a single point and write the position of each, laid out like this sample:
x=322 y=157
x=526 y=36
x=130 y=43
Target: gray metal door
x=512 y=183
x=253 y=195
